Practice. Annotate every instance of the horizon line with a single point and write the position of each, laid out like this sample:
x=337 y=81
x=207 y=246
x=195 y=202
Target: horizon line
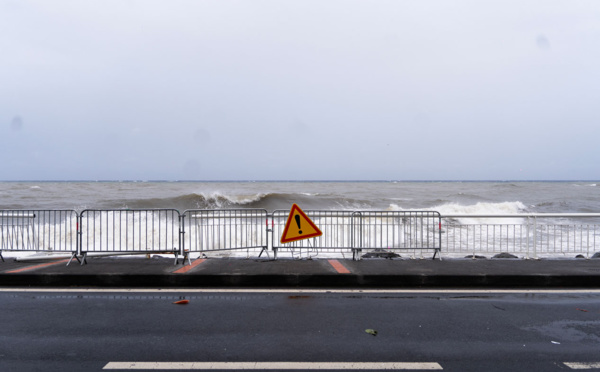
x=310 y=180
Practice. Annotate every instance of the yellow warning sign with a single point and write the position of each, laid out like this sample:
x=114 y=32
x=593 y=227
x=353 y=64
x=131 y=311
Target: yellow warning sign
x=299 y=226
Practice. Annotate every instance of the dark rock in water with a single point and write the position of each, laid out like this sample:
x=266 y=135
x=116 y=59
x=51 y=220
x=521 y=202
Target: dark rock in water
x=475 y=257
x=505 y=255
x=381 y=253
x=596 y=255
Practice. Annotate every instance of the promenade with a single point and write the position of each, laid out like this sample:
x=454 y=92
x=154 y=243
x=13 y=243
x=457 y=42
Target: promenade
x=161 y=272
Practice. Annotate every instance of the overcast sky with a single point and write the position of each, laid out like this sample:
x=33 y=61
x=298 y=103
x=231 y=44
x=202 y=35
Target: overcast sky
x=299 y=89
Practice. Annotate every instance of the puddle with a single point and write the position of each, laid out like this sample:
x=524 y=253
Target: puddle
x=299 y=297
x=570 y=330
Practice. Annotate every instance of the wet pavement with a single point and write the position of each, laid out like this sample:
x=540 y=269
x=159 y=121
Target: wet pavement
x=160 y=272
x=94 y=329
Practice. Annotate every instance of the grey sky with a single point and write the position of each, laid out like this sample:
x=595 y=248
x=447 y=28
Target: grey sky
x=227 y=90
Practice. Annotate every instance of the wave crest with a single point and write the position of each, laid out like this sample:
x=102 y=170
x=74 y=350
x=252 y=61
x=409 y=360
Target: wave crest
x=219 y=200
x=482 y=208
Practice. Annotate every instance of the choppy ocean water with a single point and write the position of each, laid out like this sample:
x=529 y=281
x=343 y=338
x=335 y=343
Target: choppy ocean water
x=445 y=197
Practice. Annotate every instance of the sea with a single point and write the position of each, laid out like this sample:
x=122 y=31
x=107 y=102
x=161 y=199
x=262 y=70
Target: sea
x=446 y=197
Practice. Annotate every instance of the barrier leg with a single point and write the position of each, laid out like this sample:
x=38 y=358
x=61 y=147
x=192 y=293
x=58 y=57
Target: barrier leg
x=1 y=256
x=264 y=249
x=186 y=255
x=84 y=259
x=73 y=256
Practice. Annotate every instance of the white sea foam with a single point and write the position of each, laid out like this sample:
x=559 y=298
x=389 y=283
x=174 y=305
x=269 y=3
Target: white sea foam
x=481 y=208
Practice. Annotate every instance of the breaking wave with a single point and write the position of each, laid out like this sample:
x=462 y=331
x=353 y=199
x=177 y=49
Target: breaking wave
x=478 y=208
x=481 y=208
x=218 y=200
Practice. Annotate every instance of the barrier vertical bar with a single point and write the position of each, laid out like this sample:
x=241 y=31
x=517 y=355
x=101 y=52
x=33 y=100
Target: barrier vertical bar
x=535 y=235
x=182 y=234
x=79 y=234
x=440 y=235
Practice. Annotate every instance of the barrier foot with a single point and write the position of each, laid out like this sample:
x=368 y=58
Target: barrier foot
x=186 y=255
x=2 y=257
x=264 y=249
x=83 y=259
x=74 y=255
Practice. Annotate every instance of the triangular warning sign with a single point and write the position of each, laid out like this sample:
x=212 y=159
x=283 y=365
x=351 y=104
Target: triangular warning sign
x=299 y=226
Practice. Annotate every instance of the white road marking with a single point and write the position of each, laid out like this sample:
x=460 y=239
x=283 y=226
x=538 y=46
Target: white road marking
x=292 y=290
x=271 y=366
x=576 y=365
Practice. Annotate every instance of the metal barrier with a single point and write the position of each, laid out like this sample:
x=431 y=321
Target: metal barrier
x=385 y=231
x=345 y=232
x=38 y=230
x=129 y=231
x=166 y=230
x=224 y=230
x=335 y=225
x=530 y=235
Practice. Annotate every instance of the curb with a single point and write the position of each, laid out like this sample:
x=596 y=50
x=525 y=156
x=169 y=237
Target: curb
x=299 y=281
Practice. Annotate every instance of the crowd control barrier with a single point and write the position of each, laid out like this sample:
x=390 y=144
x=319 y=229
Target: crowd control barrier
x=129 y=231
x=384 y=231
x=223 y=230
x=336 y=227
x=527 y=235
x=38 y=231
x=346 y=232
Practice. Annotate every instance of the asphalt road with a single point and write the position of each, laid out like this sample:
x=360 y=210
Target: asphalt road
x=90 y=330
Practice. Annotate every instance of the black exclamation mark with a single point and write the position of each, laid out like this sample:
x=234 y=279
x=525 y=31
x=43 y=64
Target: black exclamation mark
x=297 y=217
